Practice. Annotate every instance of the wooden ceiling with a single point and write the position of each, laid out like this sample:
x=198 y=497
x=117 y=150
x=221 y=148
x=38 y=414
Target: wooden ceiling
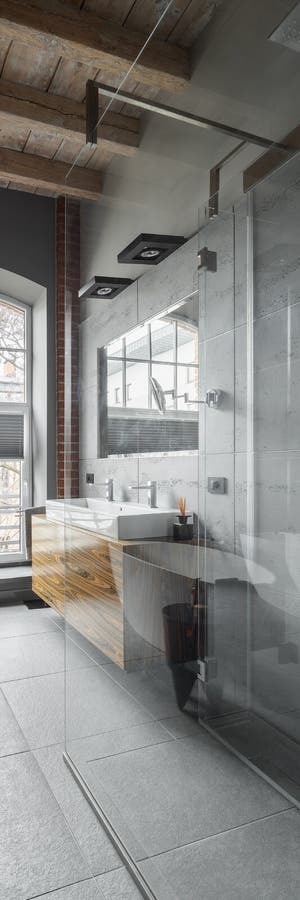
x=48 y=51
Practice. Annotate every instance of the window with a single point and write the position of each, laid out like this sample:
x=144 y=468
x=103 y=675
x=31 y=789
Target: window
x=15 y=427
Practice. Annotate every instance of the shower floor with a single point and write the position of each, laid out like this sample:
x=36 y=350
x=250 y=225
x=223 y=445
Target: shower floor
x=196 y=819
x=52 y=847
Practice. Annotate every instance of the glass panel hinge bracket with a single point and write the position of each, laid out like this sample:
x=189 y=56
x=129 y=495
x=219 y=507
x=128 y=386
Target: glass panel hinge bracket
x=207 y=260
x=207 y=669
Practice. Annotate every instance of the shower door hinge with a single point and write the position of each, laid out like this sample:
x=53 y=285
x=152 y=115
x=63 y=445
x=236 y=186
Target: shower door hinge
x=207 y=669
x=207 y=260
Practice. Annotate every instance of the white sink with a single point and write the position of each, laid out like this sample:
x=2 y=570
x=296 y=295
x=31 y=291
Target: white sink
x=123 y=521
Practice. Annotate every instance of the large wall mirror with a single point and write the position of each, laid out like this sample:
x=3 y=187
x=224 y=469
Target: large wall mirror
x=149 y=386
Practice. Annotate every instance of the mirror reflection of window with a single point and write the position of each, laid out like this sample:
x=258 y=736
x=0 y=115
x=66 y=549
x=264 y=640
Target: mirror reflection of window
x=115 y=382
x=137 y=378
x=163 y=337
x=165 y=348
x=137 y=344
x=166 y=375
x=187 y=341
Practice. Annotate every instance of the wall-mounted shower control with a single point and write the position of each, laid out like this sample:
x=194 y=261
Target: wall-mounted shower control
x=216 y=485
x=90 y=478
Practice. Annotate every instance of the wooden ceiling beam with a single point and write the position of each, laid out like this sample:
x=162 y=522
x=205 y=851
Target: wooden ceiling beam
x=90 y=39
x=50 y=114
x=50 y=175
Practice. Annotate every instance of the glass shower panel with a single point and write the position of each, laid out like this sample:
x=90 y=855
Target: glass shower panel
x=223 y=682
x=131 y=564
x=132 y=571
x=256 y=655
x=169 y=621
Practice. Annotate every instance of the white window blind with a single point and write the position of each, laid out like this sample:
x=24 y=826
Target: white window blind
x=11 y=436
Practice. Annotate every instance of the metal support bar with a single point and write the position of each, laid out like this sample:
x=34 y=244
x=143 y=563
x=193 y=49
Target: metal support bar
x=171 y=112
x=92 y=113
x=124 y=854
x=214 y=187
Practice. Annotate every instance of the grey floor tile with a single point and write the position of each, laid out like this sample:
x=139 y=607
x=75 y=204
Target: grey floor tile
x=181 y=726
x=37 y=851
x=254 y=737
x=57 y=618
x=119 y=886
x=278 y=776
x=12 y=739
x=38 y=705
x=83 y=890
x=41 y=654
x=19 y=620
x=96 y=704
x=152 y=687
x=89 y=833
x=257 y=862
x=182 y=791
x=120 y=741
x=93 y=652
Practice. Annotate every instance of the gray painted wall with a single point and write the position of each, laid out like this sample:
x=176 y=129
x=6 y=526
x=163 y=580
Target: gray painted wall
x=27 y=248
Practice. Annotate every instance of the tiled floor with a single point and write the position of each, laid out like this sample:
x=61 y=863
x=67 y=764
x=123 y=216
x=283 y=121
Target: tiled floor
x=199 y=822
x=52 y=846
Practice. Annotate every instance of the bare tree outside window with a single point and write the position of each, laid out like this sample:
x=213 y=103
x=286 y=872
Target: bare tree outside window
x=12 y=353
x=13 y=365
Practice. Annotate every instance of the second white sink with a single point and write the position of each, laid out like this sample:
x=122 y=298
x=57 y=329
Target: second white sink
x=122 y=521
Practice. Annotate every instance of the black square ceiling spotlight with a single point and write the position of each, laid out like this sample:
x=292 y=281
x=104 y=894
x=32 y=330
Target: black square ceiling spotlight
x=101 y=288
x=150 y=249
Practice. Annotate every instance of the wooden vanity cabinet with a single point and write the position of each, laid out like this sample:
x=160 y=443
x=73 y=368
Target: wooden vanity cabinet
x=80 y=574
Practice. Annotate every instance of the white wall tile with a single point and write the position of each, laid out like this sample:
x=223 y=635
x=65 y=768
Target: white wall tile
x=217 y=371
x=220 y=507
x=217 y=288
x=175 y=476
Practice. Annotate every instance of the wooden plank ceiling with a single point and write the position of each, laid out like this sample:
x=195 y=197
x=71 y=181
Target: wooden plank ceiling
x=48 y=51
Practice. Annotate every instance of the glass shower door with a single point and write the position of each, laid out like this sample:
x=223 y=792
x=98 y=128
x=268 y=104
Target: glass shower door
x=251 y=695
x=131 y=566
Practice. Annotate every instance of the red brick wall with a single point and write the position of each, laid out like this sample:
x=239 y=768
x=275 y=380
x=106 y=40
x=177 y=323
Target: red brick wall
x=67 y=346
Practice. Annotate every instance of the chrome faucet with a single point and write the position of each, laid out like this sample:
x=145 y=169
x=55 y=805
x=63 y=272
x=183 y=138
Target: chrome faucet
x=109 y=485
x=150 y=487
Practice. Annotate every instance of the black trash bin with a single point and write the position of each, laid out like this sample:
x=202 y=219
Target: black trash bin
x=183 y=630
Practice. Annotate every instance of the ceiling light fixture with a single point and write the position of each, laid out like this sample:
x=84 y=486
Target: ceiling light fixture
x=150 y=249
x=104 y=291
x=149 y=253
x=103 y=288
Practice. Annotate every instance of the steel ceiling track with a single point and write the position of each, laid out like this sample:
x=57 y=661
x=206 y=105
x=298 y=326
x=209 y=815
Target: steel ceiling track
x=94 y=88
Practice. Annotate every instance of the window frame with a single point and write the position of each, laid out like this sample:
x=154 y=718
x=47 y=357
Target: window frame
x=25 y=409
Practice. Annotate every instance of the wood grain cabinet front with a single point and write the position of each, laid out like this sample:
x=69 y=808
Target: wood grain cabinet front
x=80 y=574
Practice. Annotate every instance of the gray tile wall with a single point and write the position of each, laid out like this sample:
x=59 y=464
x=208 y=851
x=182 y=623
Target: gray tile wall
x=276 y=418
x=174 y=280
x=223 y=435
x=159 y=288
